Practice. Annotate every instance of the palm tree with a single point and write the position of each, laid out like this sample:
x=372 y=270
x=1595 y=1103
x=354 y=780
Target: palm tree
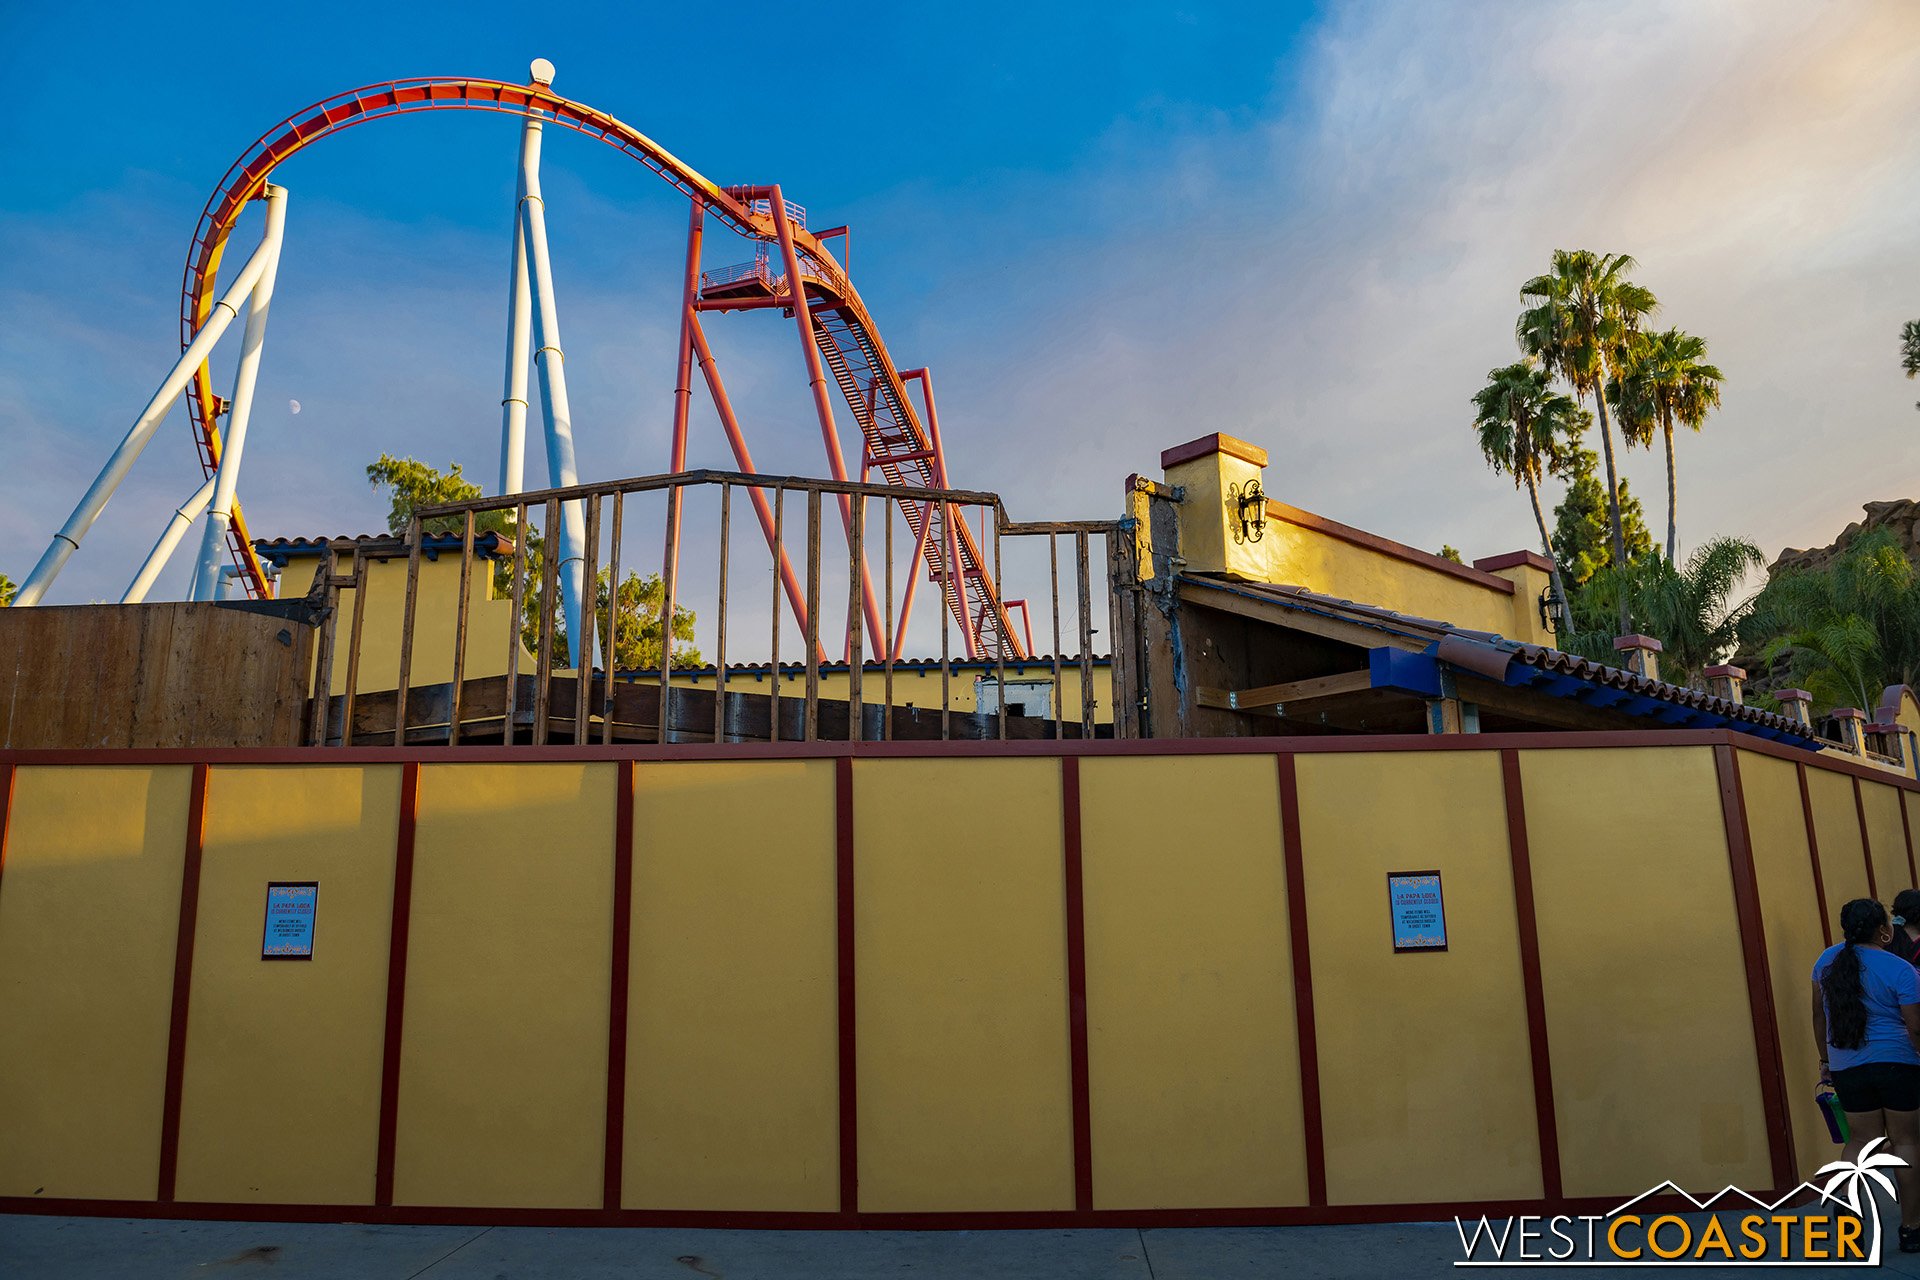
x=1848 y=630
x=1582 y=320
x=1668 y=383
x=1691 y=608
x=1523 y=425
x=1910 y=349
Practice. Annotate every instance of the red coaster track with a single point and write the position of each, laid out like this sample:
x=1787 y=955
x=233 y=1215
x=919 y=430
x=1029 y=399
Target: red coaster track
x=848 y=346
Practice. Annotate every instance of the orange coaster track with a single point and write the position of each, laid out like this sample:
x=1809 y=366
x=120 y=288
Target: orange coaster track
x=897 y=444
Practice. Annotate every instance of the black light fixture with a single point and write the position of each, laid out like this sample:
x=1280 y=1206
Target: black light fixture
x=1550 y=607
x=1249 y=506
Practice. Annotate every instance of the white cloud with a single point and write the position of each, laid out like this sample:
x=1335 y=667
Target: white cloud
x=1330 y=276
x=1354 y=272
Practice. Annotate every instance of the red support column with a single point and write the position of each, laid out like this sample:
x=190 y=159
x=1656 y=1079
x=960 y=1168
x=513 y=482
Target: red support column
x=1813 y=853
x=817 y=382
x=914 y=566
x=7 y=772
x=1866 y=841
x=949 y=540
x=614 y=1146
x=1077 y=986
x=846 y=1016
x=1753 y=942
x=1546 y=1120
x=743 y=458
x=182 y=984
x=397 y=933
x=1305 y=1025
x=682 y=405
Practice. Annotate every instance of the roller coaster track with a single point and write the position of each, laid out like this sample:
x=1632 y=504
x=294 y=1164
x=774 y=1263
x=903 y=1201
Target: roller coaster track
x=897 y=443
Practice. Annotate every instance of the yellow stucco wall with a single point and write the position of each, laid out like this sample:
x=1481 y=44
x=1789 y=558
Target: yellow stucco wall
x=504 y=1059
x=1888 y=840
x=1836 y=826
x=1193 y=1050
x=960 y=945
x=1320 y=562
x=962 y=1016
x=913 y=687
x=1294 y=555
x=1399 y=1120
x=281 y=1102
x=1790 y=914
x=89 y=910
x=1647 y=1009
x=732 y=1052
x=436 y=617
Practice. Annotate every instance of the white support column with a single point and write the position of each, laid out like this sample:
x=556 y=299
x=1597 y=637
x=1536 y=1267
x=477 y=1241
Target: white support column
x=183 y=517
x=513 y=402
x=551 y=362
x=213 y=541
x=67 y=541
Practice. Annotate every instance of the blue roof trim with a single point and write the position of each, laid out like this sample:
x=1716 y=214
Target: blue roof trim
x=1404 y=672
x=1590 y=693
x=1518 y=672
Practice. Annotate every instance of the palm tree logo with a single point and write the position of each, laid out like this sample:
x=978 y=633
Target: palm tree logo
x=1852 y=1184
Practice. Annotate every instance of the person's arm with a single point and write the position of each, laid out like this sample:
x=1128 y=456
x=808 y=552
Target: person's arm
x=1906 y=989
x=1820 y=1027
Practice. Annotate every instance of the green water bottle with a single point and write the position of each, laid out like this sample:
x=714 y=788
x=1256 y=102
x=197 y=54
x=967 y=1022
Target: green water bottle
x=1830 y=1111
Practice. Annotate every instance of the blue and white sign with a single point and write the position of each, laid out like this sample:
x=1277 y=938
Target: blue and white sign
x=1419 y=911
x=289 y=928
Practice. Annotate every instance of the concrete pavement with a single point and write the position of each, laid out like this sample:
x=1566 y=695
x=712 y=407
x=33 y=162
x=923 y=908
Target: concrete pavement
x=47 y=1248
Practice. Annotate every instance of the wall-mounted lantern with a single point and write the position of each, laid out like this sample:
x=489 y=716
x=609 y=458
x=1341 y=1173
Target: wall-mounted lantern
x=1249 y=506
x=1551 y=606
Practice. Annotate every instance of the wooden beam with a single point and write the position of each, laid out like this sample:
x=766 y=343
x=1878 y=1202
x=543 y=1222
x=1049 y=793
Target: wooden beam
x=1540 y=707
x=1270 y=699
x=1227 y=601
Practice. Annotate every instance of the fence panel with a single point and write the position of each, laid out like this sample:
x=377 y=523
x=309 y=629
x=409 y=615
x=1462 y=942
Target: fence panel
x=89 y=914
x=1461 y=1076
x=504 y=1054
x=1640 y=956
x=1193 y=1048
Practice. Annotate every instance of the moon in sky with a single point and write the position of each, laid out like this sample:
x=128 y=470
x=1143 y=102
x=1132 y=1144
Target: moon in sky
x=293 y=406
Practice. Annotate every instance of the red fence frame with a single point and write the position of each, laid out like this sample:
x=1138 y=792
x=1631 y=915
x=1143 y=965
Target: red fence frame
x=1765 y=1018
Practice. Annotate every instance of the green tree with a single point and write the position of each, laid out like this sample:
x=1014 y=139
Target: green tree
x=1693 y=609
x=637 y=641
x=1450 y=552
x=7 y=590
x=1524 y=426
x=1847 y=630
x=410 y=484
x=1581 y=533
x=1582 y=321
x=1667 y=383
x=1910 y=349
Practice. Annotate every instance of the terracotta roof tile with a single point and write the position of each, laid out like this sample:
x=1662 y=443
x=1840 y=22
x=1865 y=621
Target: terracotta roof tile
x=1485 y=654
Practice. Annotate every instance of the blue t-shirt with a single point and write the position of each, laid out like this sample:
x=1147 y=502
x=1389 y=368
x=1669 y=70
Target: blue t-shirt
x=1888 y=982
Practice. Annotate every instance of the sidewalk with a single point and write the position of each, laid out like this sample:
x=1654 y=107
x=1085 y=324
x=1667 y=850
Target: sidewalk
x=34 y=1248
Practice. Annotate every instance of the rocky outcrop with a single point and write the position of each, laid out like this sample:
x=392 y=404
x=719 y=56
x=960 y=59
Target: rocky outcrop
x=1902 y=516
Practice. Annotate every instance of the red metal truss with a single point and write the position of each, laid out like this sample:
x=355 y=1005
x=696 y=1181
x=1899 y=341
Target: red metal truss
x=849 y=347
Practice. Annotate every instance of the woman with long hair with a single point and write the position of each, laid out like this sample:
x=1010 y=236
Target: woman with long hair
x=1866 y=1020
x=1906 y=925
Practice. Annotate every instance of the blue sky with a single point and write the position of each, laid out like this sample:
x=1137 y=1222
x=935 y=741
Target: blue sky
x=1108 y=229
